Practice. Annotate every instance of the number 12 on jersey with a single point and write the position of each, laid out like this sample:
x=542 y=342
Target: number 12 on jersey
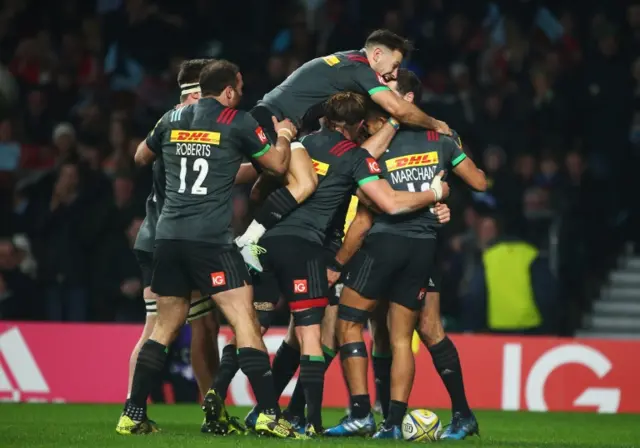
x=423 y=187
x=201 y=166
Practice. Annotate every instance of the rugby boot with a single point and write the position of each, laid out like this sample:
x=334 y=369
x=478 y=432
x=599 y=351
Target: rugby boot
x=268 y=425
x=350 y=426
x=461 y=427
x=393 y=433
x=251 y=255
x=127 y=427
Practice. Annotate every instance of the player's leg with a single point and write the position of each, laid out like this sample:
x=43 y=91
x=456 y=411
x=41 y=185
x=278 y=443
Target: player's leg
x=221 y=272
x=205 y=358
x=172 y=287
x=301 y=182
x=369 y=275
x=381 y=356
x=447 y=363
x=402 y=321
x=295 y=411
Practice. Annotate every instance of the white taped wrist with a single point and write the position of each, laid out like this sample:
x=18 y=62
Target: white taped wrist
x=296 y=145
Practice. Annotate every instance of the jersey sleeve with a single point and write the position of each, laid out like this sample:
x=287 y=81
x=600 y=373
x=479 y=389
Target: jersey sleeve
x=156 y=136
x=365 y=168
x=453 y=150
x=368 y=79
x=253 y=138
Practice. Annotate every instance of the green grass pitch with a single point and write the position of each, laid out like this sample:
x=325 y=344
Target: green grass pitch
x=65 y=425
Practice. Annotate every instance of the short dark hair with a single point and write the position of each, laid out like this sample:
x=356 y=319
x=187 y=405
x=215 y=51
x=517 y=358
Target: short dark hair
x=408 y=81
x=190 y=70
x=390 y=40
x=347 y=107
x=217 y=76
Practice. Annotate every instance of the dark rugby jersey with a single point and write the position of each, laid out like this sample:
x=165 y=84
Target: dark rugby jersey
x=336 y=230
x=340 y=165
x=155 y=201
x=202 y=146
x=307 y=88
x=410 y=164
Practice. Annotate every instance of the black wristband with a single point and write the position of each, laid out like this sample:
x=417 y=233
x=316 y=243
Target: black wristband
x=335 y=265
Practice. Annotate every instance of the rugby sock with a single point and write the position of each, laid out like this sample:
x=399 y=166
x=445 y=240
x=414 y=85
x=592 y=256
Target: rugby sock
x=148 y=369
x=229 y=366
x=312 y=370
x=279 y=204
x=255 y=365
x=382 y=375
x=447 y=363
x=285 y=365
x=397 y=410
x=298 y=402
x=360 y=406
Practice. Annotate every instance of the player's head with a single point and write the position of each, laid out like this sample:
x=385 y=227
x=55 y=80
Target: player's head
x=222 y=80
x=188 y=79
x=407 y=85
x=385 y=51
x=345 y=113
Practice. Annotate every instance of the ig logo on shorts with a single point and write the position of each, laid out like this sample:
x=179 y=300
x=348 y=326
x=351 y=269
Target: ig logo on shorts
x=218 y=279
x=300 y=287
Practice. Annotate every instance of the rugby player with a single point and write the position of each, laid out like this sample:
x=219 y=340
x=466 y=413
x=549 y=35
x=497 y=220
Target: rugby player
x=202 y=146
x=204 y=336
x=295 y=246
x=443 y=351
x=300 y=97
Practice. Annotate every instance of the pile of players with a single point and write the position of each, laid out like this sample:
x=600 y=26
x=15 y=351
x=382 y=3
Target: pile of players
x=369 y=141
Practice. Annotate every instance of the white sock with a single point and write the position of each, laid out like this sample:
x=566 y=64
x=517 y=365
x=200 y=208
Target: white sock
x=253 y=233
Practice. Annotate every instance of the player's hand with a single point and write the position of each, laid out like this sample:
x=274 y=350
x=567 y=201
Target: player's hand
x=443 y=128
x=442 y=212
x=439 y=187
x=285 y=125
x=333 y=277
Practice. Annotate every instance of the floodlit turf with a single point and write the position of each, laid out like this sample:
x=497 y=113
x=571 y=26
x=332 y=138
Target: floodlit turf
x=62 y=425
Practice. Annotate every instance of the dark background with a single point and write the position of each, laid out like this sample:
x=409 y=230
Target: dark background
x=544 y=93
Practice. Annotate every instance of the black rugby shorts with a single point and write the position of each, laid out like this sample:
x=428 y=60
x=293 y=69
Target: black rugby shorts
x=145 y=261
x=300 y=269
x=181 y=266
x=392 y=267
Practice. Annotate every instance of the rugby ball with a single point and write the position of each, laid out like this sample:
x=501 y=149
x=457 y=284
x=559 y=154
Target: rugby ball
x=421 y=425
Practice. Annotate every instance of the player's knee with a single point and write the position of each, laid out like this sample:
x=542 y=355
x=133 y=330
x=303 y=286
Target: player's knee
x=353 y=350
x=308 y=317
x=309 y=336
x=353 y=315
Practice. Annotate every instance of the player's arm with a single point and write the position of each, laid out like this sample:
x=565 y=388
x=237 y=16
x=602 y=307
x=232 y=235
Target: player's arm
x=358 y=229
x=463 y=166
x=378 y=143
x=402 y=110
x=274 y=159
x=366 y=173
x=247 y=174
x=151 y=146
x=408 y=113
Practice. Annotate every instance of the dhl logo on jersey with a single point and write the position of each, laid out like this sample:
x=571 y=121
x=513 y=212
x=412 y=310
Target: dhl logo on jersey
x=320 y=168
x=331 y=60
x=412 y=160
x=179 y=136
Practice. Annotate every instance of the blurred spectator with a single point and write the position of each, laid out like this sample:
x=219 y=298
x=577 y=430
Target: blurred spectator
x=512 y=289
x=62 y=238
x=17 y=290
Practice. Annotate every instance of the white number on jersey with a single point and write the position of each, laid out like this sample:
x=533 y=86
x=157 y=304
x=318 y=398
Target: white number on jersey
x=201 y=166
x=423 y=187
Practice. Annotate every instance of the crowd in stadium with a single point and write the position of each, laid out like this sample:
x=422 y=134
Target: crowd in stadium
x=537 y=90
